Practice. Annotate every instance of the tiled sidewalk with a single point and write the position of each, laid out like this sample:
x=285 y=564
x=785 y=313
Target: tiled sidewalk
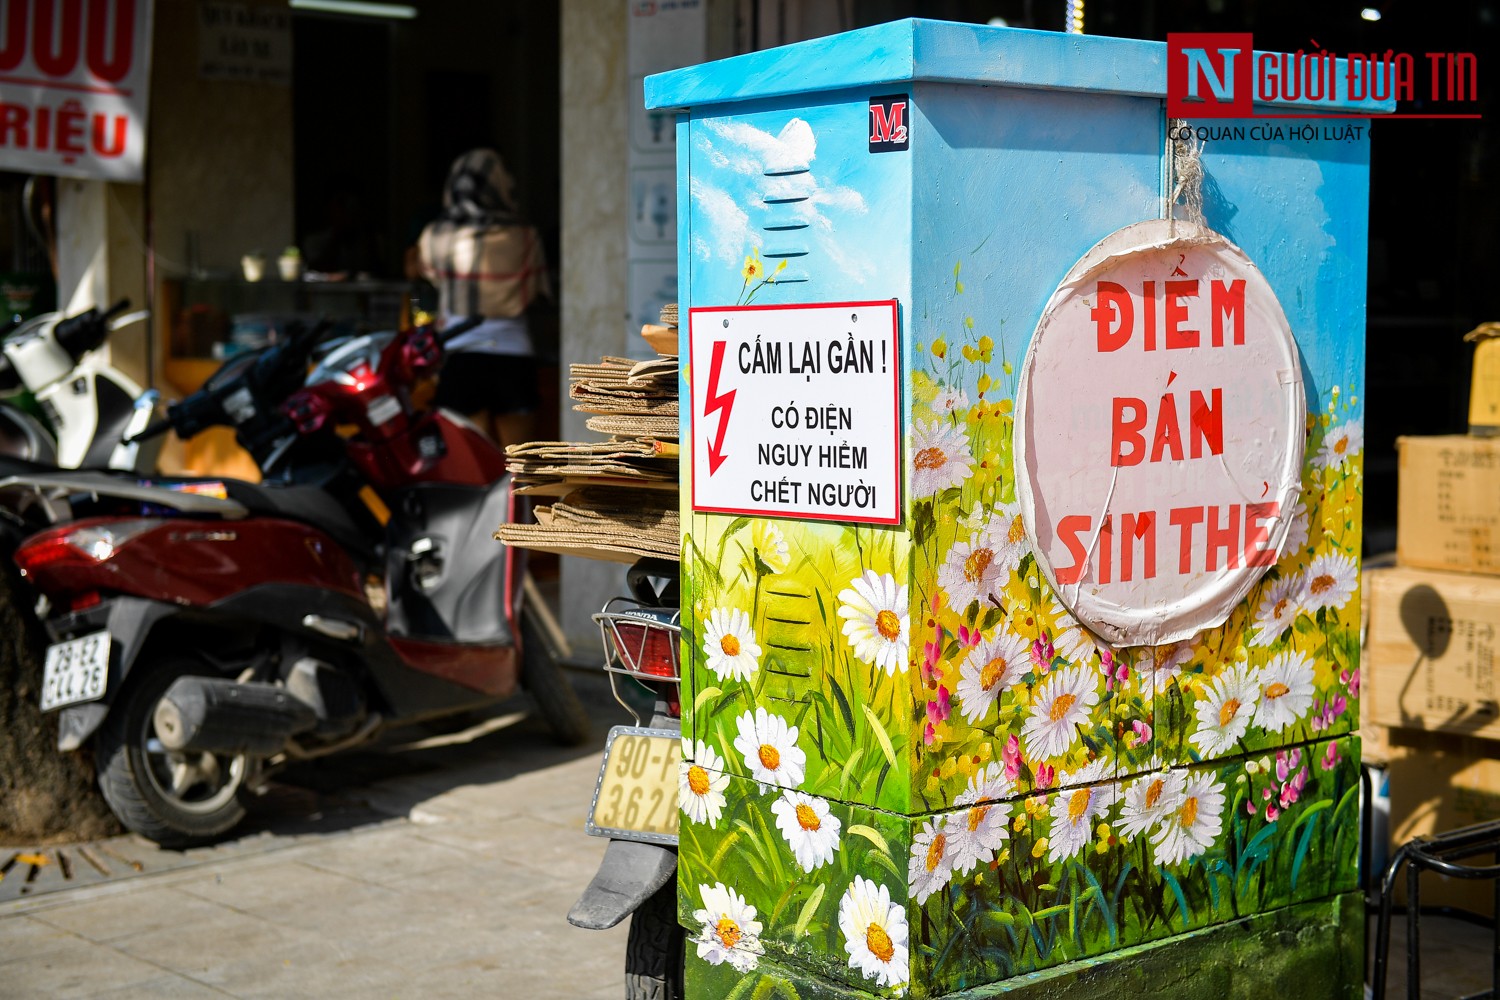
x=461 y=891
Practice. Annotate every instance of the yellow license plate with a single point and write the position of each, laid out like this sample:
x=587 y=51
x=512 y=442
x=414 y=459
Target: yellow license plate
x=636 y=797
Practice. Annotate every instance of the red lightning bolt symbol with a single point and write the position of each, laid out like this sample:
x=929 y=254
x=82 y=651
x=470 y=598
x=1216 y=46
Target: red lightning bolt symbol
x=717 y=401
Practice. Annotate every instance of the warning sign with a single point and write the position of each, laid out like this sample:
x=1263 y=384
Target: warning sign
x=1160 y=433
x=796 y=411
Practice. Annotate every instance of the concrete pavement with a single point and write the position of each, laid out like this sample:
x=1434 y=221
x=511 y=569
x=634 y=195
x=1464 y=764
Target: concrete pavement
x=448 y=876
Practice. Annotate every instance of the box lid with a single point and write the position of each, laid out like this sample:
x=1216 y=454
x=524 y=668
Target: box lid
x=945 y=52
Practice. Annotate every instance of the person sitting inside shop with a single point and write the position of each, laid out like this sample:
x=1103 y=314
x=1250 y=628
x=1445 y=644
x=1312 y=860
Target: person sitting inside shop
x=486 y=261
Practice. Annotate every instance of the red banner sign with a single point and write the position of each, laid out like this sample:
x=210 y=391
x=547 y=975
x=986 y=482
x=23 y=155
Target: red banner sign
x=74 y=76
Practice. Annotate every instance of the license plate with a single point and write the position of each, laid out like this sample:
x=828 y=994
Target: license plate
x=636 y=796
x=76 y=670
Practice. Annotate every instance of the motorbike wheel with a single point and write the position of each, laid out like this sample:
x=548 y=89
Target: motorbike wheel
x=555 y=698
x=656 y=950
x=176 y=799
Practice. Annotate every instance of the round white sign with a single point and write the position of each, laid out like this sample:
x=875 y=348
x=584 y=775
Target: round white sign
x=1159 y=435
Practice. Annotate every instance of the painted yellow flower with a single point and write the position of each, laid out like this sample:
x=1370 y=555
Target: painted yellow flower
x=753 y=268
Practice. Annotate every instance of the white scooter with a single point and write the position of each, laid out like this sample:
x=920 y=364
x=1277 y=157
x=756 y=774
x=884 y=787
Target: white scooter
x=93 y=407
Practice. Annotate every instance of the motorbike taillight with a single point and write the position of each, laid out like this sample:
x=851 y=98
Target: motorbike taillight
x=76 y=548
x=641 y=643
x=647 y=649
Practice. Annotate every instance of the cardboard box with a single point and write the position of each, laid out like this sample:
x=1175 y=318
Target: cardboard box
x=1431 y=648
x=1484 y=395
x=1448 y=503
x=1438 y=783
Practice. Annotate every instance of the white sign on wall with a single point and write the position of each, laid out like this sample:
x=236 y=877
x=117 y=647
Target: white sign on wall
x=73 y=87
x=1160 y=433
x=796 y=411
x=245 y=43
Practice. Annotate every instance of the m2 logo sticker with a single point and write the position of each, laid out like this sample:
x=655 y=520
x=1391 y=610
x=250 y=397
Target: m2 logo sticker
x=890 y=126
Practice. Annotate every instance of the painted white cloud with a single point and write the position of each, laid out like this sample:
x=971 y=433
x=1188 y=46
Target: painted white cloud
x=775 y=166
x=728 y=224
x=793 y=148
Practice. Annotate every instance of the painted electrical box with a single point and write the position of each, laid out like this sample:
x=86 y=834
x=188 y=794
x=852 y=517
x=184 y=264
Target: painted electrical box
x=1023 y=511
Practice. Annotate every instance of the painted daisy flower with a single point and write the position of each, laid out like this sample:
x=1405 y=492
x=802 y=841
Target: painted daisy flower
x=875 y=933
x=975 y=570
x=1074 y=811
x=1225 y=711
x=1341 y=441
x=729 y=644
x=1062 y=704
x=991 y=667
x=730 y=932
x=1008 y=530
x=1278 y=609
x=1296 y=531
x=1286 y=691
x=1148 y=799
x=809 y=828
x=770 y=749
x=770 y=545
x=940 y=457
x=876 y=620
x=1193 y=825
x=1329 y=581
x=980 y=830
x=931 y=863
x=987 y=785
x=1159 y=666
x=701 y=782
x=1069 y=637
x=950 y=401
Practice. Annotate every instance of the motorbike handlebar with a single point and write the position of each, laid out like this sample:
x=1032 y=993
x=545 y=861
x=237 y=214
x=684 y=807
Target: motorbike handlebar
x=82 y=333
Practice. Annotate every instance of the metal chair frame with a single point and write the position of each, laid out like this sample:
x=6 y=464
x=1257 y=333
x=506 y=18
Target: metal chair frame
x=1439 y=853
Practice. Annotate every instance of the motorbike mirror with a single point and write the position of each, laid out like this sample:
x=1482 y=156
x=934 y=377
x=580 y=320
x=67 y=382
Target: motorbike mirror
x=82 y=333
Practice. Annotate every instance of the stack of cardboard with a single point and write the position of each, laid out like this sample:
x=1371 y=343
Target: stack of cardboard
x=616 y=499
x=1434 y=633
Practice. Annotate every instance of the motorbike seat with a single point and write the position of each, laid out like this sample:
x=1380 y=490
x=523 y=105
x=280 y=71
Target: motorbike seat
x=11 y=465
x=310 y=505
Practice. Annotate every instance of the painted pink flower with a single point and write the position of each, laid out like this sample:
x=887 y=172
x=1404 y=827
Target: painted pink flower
x=1292 y=790
x=1250 y=808
x=1350 y=680
x=968 y=636
x=1116 y=670
x=1042 y=653
x=1045 y=776
x=930 y=653
x=940 y=707
x=1266 y=793
x=1011 y=756
x=1142 y=732
x=1272 y=812
x=1338 y=705
x=1330 y=757
x=929 y=735
x=1286 y=762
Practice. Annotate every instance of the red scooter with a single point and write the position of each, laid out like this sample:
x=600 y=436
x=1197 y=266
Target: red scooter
x=206 y=631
